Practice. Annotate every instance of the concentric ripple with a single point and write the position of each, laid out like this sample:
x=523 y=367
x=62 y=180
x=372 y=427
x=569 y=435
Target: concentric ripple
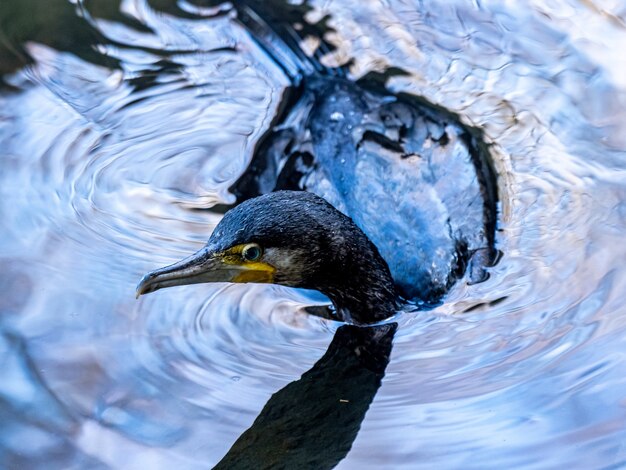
x=112 y=157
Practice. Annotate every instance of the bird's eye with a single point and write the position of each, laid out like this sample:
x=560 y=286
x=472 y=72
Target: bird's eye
x=251 y=252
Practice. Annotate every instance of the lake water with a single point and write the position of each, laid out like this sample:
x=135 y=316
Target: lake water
x=121 y=122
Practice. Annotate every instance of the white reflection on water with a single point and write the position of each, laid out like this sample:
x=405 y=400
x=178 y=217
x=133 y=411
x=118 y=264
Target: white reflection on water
x=100 y=176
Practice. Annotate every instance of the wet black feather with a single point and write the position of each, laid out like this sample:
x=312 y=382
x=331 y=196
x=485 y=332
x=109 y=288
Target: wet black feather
x=334 y=256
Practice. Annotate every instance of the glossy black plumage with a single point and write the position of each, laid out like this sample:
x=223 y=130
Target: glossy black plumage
x=326 y=251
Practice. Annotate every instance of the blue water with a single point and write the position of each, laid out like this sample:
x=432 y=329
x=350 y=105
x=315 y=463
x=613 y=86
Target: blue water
x=107 y=153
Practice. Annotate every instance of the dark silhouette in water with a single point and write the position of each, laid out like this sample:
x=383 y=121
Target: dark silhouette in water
x=312 y=422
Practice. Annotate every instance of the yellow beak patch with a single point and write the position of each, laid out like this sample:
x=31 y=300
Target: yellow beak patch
x=251 y=271
x=255 y=272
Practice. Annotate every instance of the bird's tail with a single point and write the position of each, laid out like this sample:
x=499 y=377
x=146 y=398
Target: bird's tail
x=279 y=27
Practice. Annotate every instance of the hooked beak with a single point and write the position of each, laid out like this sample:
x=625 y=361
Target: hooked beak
x=204 y=266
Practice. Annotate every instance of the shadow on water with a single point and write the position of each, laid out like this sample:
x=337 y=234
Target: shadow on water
x=54 y=23
x=312 y=422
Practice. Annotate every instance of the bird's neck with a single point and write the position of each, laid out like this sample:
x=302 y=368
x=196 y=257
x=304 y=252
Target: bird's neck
x=364 y=304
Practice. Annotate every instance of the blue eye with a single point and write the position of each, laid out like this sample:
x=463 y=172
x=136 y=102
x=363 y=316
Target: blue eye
x=251 y=252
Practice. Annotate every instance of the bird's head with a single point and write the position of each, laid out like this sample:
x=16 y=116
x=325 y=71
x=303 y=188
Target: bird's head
x=295 y=239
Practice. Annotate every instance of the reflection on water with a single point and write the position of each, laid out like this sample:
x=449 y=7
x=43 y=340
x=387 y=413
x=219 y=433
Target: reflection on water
x=111 y=153
x=312 y=422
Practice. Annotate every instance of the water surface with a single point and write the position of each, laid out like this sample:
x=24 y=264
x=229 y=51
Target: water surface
x=120 y=124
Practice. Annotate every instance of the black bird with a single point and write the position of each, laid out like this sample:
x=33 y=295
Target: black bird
x=295 y=239
x=410 y=174
x=414 y=183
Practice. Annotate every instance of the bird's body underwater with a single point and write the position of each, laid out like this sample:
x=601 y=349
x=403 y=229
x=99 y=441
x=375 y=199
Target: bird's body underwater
x=295 y=239
x=410 y=176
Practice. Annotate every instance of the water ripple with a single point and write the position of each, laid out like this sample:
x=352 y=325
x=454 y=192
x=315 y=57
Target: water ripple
x=107 y=172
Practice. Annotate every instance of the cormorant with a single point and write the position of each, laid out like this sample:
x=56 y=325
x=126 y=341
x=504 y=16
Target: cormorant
x=410 y=174
x=414 y=183
x=295 y=239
